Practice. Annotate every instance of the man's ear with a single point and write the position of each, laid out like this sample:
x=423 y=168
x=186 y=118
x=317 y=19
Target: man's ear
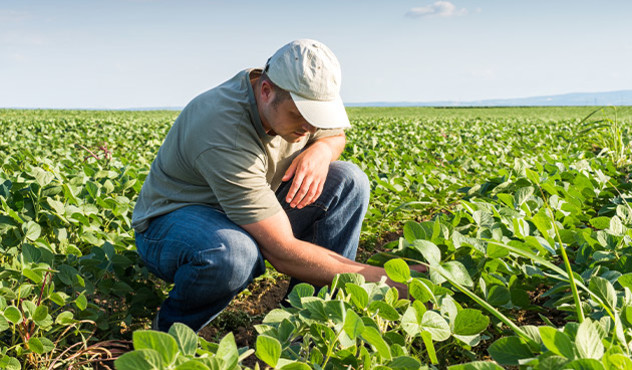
x=267 y=92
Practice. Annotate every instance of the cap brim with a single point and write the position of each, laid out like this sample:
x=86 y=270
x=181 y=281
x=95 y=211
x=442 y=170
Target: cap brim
x=322 y=114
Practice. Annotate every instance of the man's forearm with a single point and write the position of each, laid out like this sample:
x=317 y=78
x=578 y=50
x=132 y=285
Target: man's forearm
x=303 y=260
x=318 y=265
x=336 y=144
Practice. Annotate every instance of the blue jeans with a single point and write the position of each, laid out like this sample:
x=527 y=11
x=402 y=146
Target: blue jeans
x=210 y=259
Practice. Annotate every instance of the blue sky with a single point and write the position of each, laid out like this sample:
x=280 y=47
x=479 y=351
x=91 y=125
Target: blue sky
x=154 y=53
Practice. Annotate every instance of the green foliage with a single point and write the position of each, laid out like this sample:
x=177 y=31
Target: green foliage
x=70 y=274
x=180 y=349
x=360 y=323
x=491 y=201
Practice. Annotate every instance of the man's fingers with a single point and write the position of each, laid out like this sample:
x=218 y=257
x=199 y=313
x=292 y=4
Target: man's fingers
x=312 y=194
x=290 y=171
x=296 y=184
x=302 y=192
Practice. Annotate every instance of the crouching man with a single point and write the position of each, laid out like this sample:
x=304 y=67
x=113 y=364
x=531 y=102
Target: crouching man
x=249 y=172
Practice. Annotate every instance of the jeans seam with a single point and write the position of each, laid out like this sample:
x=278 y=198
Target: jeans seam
x=315 y=233
x=321 y=206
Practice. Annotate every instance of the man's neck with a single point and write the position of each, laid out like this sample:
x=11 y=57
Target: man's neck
x=256 y=88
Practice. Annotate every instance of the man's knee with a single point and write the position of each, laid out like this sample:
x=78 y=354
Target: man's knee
x=354 y=180
x=239 y=262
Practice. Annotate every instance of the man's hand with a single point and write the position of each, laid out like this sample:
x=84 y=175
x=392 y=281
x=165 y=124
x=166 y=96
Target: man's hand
x=309 y=170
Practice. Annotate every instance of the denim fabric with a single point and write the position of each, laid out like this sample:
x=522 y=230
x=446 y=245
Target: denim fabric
x=210 y=259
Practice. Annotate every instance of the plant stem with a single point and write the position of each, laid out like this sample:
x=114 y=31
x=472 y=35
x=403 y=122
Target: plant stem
x=490 y=309
x=330 y=348
x=567 y=264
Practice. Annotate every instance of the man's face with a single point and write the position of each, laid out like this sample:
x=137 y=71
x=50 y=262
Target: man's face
x=285 y=120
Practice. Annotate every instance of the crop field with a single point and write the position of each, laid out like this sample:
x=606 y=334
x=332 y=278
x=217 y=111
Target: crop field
x=522 y=216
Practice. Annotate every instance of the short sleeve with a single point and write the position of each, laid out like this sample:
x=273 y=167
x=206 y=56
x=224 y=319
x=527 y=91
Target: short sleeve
x=238 y=180
x=320 y=133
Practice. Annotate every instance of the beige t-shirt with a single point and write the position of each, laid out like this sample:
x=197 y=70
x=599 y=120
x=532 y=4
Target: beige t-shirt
x=218 y=154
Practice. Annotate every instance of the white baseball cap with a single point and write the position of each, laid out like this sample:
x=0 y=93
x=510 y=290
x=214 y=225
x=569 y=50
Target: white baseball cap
x=310 y=72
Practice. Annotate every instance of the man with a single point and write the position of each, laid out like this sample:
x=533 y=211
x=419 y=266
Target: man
x=249 y=171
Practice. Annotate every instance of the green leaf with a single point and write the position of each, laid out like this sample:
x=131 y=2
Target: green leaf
x=10 y=363
x=13 y=314
x=470 y=322
x=192 y=365
x=543 y=223
x=626 y=280
x=384 y=310
x=404 y=363
x=557 y=342
x=533 y=176
x=618 y=362
x=588 y=341
x=411 y=320
x=300 y=290
x=429 y=250
x=604 y=290
x=47 y=344
x=286 y=329
x=426 y=337
x=92 y=189
x=341 y=280
x=42 y=176
x=455 y=271
x=522 y=195
x=413 y=231
x=164 y=343
x=268 y=350
x=600 y=223
x=11 y=212
x=40 y=313
x=420 y=291
x=498 y=295
x=436 y=325
x=316 y=307
x=32 y=275
x=477 y=365
x=57 y=206
x=584 y=364
x=509 y=350
x=616 y=227
x=228 y=352
x=397 y=270
x=4 y=324
x=31 y=230
x=353 y=325
x=295 y=366
x=36 y=345
x=334 y=310
x=65 y=318
x=359 y=296
x=57 y=299
x=185 y=337
x=372 y=336
x=81 y=302
x=276 y=316
x=145 y=359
